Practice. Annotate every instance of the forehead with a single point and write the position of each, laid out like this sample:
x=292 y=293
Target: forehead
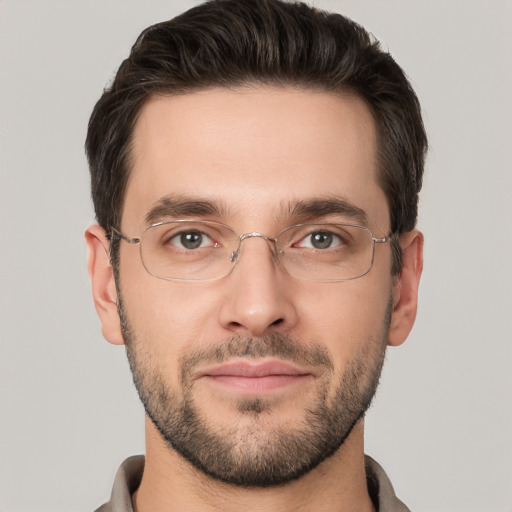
x=254 y=150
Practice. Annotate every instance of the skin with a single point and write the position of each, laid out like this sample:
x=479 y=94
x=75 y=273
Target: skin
x=254 y=149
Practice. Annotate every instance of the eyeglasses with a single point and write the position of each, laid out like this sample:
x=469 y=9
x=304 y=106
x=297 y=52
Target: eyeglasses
x=190 y=251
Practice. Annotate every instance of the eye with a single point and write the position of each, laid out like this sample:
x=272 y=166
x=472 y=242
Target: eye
x=191 y=239
x=320 y=240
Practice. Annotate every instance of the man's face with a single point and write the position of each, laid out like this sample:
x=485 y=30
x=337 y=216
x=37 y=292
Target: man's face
x=256 y=377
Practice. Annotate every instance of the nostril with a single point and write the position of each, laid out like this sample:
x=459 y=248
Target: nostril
x=277 y=322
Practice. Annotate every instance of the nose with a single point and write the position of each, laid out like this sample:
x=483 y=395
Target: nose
x=259 y=295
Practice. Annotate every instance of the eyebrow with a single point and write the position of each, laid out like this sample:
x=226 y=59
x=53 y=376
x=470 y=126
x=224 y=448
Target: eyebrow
x=325 y=207
x=177 y=206
x=181 y=206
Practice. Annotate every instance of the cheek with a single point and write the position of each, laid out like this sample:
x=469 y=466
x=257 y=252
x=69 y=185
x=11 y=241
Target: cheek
x=167 y=316
x=345 y=316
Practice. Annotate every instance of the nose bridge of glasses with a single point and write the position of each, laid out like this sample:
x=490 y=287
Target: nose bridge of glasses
x=233 y=257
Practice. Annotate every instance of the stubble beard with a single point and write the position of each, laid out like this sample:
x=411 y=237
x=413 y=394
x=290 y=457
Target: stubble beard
x=256 y=455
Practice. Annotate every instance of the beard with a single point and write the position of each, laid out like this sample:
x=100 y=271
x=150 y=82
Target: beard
x=252 y=453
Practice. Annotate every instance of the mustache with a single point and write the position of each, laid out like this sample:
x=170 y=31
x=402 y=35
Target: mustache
x=277 y=345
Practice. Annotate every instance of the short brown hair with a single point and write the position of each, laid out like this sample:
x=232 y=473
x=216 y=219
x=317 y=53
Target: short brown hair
x=228 y=43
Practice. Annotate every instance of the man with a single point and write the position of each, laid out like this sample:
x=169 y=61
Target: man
x=255 y=173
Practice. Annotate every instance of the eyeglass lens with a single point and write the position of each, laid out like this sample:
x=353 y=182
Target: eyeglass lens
x=199 y=251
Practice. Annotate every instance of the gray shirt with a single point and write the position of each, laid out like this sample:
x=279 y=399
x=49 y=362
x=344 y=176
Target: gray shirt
x=129 y=476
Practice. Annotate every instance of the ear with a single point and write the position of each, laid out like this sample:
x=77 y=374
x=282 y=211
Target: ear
x=405 y=290
x=103 y=284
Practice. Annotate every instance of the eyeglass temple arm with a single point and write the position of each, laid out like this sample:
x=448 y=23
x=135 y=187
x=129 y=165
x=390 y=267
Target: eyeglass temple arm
x=386 y=239
x=123 y=237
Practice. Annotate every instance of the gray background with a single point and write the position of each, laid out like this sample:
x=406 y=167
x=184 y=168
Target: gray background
x=442 y=422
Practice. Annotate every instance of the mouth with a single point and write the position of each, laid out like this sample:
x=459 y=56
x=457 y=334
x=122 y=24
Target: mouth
x=255 y=378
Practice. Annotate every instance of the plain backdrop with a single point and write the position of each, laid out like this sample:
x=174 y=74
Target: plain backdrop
x=442 y=421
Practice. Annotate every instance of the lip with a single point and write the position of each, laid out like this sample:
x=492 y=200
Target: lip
x=247 y=369
x=255 y=378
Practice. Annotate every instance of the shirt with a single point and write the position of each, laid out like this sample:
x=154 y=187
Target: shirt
x=129 y=476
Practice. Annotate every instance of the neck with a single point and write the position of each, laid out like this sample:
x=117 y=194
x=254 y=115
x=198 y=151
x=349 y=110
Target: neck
x=172 y=484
